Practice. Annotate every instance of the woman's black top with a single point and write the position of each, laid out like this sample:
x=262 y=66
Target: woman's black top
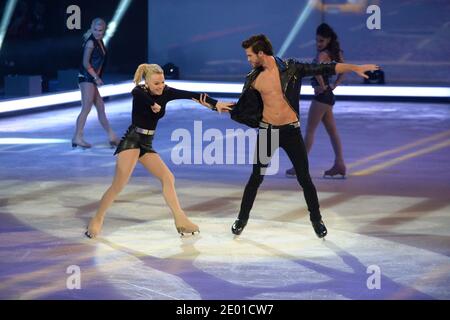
x=97 y=59
x=142 y=114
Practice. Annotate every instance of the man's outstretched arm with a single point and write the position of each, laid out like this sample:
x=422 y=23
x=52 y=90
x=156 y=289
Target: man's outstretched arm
x=331 y=68
x=358 y=69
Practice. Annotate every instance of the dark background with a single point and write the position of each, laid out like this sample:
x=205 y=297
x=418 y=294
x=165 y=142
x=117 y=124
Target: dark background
x=203 y=37
x=38 y=41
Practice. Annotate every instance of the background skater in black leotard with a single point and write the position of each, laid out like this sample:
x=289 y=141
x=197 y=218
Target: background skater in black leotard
x=321 y=109
x=89 y=78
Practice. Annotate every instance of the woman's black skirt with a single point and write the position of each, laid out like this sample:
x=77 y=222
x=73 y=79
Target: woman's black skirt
x=135 y=140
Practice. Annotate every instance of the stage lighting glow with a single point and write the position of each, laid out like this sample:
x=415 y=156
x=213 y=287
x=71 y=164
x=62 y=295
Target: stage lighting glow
x=114 y=24
x=7 y=14
x=59 y=98
x=221 y=88
x=391 y=91
x=298 y=25
x=16 y=141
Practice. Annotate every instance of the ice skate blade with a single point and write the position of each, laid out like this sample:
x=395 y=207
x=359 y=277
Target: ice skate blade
x=335 y=177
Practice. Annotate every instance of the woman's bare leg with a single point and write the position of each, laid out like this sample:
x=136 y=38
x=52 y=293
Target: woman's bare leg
x=156 y=166
x=101 y=114
x=330 y=125
x=316 y=112
x=126 y=161
x=87 y=99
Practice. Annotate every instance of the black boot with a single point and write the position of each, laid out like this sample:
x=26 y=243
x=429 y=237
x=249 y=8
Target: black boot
x=238 y=226
x=319 y=228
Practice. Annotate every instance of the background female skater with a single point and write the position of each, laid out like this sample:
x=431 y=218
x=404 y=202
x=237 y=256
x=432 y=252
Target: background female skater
x=89 y=77
x=149 y=105
x=321 y=109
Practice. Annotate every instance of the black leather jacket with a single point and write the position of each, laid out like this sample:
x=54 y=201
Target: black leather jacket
x=249 y=108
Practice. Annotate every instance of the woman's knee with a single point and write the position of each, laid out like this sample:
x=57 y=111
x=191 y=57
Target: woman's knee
x=119 y=182
x=330 y=126
x=86 y=106
x=311 y=127
x=117 y=187
x=310 y=132
x=99 y=105
x=85 y=113
x=101 y=113
x=168 y=178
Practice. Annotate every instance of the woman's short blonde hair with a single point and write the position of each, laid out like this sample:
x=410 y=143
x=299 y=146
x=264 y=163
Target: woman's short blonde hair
x=145 y=71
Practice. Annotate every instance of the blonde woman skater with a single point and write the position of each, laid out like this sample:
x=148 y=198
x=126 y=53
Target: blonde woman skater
x=89 y=78
x=149 y=105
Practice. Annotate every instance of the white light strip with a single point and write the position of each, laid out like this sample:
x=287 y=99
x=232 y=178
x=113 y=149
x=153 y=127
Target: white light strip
x=218 y=88
x=116 y=89
x=59 y=98
x=366 y=90
x=39 y=102
x=16 y=141
x=389 y=91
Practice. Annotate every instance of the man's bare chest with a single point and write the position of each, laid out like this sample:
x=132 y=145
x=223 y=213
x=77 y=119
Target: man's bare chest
x=268 y=83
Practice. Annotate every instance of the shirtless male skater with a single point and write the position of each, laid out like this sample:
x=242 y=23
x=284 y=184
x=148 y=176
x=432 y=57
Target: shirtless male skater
x=270 y=101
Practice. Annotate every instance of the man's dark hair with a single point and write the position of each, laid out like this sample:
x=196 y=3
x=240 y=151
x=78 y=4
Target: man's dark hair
x=258 y=43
